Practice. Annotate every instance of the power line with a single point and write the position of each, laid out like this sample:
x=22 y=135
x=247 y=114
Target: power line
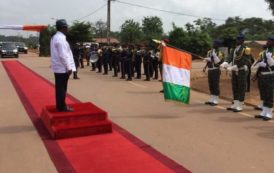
x=95 y=11
x=166 y=11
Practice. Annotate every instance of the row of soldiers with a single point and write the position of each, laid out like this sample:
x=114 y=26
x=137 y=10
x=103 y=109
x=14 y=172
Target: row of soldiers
x=126 y=60
x=240 y=63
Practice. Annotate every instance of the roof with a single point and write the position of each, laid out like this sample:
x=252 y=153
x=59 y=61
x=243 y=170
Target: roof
x=105 y=40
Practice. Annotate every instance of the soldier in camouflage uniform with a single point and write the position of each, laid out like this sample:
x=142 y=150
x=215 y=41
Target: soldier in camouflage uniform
x=266 y=65
x=240 y=59
x=214 y=58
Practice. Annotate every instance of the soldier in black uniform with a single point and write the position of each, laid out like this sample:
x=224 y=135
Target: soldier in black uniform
x=214 y=59
x=240 y=58
x=115 y=60
x=155 y=63
x=106 y=57
x=138 y=62
x=76 y=58
x=266 y=65
x=123 y=62
x=129 y=63
x=100 y=59
x=147 y=62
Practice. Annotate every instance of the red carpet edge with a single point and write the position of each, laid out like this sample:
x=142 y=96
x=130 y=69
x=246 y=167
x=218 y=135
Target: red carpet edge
x=55 y=152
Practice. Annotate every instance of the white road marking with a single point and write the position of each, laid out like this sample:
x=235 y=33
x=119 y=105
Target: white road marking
x=241 y=113
x=138 y=85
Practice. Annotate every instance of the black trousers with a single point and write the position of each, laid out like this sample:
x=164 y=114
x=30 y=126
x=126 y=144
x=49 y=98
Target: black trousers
x=61 y=84
x=155 y=64
x=213 y=81
x=267 y=84
x=239 y=85
x=138 y=66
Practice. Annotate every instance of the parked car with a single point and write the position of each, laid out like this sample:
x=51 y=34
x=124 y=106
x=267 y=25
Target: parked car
x=22 y=47
x=9 y=49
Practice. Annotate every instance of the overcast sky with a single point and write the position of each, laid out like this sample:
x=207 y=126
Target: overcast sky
x=46 y=11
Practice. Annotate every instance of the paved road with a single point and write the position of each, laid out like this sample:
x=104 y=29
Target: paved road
x=204 y=139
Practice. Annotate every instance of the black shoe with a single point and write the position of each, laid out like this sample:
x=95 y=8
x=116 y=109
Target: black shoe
x=128 y=79
x=258 y=116
x=76 y=78
x=147 y=80
x=266 y=118
x=213 y=104
x=114 y=76
x=138 y=78
x=230 y=109
x=67 y=109
x=162 y=91
x=257 y=108
x=235 y=110
x=208 y=103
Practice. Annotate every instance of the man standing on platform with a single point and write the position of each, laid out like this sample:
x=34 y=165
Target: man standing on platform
x=240 y=58
x=62 y=64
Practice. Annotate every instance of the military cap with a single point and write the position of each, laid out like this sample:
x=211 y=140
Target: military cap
x=271 y=38
x=61 y=23
x=240 y=37
x=217 y=42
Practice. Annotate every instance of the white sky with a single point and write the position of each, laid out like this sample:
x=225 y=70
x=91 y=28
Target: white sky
x=46 y=11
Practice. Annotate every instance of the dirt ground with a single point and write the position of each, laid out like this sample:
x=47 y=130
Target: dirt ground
x=199 y=83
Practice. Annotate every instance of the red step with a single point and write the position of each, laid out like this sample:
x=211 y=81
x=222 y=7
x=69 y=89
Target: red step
x=86 y=119
x=100 y=127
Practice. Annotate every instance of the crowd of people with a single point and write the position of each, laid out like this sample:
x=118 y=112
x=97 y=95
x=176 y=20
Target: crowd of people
x=126 y=61
x=240 y=63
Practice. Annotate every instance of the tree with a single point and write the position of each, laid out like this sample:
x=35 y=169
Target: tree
x=192 y=39
x=44 y=40
x=81 y=32
x=152 y=28
x=131 y=32
x=100 y=29
x=271 y=5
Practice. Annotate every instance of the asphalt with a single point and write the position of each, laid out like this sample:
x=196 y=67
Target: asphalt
x=202 y=138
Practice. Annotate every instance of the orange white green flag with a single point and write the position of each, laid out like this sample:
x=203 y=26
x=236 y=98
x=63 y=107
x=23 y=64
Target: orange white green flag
x=176 y=74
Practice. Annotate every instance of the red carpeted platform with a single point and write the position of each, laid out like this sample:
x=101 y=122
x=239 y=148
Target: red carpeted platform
x=86 y=119
x=116 y=152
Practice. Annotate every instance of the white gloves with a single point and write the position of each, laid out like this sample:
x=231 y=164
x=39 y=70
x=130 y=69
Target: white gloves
x=215 y=57
x=269 y=55
x=207 y=59
x=261 y=64
x=224 y=65
x=232 y=68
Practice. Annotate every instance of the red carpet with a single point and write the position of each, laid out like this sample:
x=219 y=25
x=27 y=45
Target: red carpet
x=117 y=152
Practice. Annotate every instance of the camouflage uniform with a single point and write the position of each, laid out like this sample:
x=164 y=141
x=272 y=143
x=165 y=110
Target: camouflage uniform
x=240 y=57
x=266 y=74
x=213 y=64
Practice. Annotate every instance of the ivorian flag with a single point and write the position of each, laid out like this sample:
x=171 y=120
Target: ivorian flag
x=176 y=74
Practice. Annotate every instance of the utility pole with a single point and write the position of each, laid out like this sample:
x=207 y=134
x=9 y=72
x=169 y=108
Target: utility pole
x=108 y=22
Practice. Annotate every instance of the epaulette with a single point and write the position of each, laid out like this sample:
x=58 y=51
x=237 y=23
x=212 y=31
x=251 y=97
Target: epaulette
x=247 y=51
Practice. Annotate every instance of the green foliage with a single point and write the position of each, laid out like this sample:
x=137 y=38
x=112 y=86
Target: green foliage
x=100 y=29
x=44 y=41
x=271 y=5
x=152 y=28
x=80 y=32
x=193 y=39
x=131 y=32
